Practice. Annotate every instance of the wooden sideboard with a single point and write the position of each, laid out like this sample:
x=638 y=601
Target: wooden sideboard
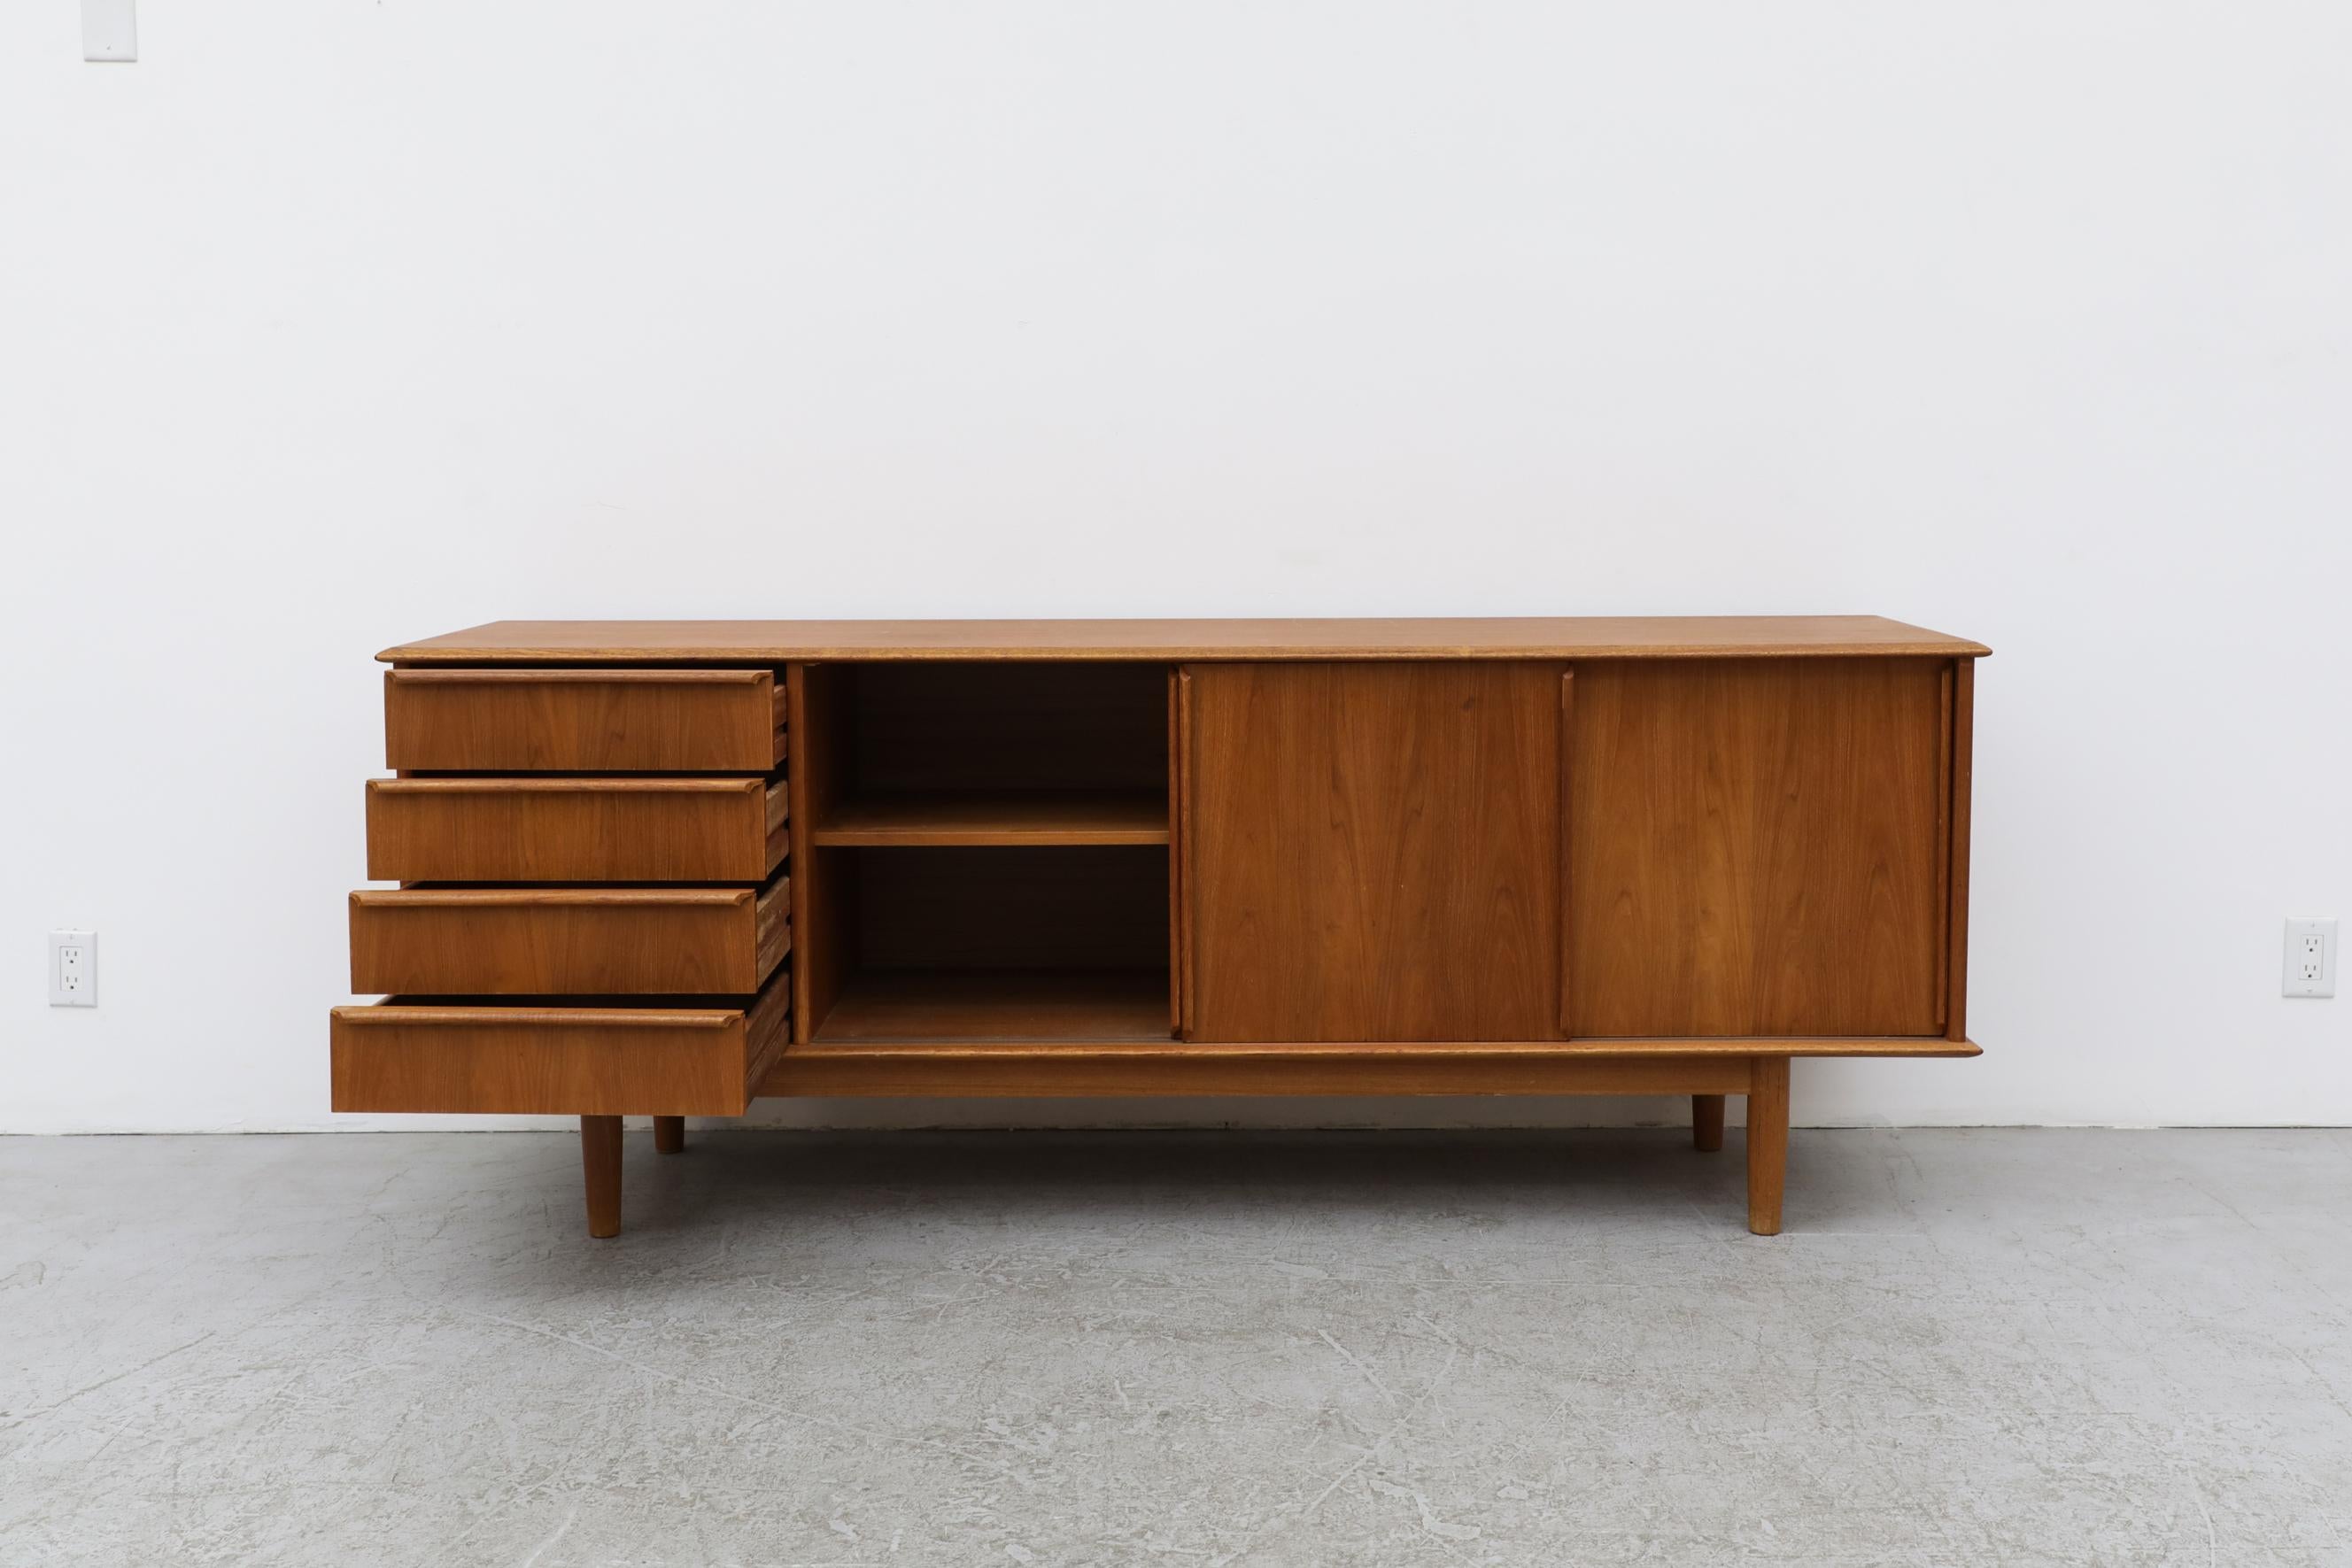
x=664 y=868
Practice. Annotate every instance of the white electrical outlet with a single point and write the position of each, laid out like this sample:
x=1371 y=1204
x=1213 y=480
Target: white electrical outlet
x=73 y=968
x=2310 y=959
x=110 y=30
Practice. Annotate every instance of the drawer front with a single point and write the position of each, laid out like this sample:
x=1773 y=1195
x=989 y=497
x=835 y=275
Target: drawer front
x=432 y=1055
x=575 y=829
x=589 y=721
x=595 y=941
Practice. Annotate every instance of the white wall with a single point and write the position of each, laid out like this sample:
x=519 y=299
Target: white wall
x=335 y=322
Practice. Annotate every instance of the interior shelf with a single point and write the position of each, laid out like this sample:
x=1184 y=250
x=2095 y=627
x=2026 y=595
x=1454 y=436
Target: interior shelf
x=960 y=1006
x=986 y=858
x=997 y=818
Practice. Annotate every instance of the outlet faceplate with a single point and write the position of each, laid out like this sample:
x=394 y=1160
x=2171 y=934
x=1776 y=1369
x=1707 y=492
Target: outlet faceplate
x=2310 y=959
x=110 y=30
x=73 y=968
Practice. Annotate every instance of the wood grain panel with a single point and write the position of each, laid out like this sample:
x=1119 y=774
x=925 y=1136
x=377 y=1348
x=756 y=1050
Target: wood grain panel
x=1374 y=851
x=607 y=941
x=541 y=1056
x=1963 y=766
x=575 y=829
x=1175 y=857
x=592 y=721
x=1566 y=1009
x=1173 y=642
x=824 y=896
x=1754 y=850
x=1180 y=880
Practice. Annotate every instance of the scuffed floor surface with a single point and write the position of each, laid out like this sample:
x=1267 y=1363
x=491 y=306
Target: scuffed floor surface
x=1554 y=1348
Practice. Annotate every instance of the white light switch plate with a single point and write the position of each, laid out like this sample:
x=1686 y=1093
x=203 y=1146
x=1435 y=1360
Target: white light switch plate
x=2310 y=959
x=73 y=968
x=110 y=29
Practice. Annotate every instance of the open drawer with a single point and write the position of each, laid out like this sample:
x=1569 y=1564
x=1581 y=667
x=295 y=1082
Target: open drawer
x=688 y=1056
x=575 y=829
x=584 y=721
x=569 y=941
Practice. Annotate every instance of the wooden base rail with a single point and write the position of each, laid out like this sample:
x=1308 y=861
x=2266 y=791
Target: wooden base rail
x=664 y=868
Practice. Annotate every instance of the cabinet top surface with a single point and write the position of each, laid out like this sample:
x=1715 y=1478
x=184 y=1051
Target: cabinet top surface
x=779 y=641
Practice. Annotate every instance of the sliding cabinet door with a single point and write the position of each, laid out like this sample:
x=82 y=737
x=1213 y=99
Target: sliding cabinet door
x=1758 y=847
x=1373 y=851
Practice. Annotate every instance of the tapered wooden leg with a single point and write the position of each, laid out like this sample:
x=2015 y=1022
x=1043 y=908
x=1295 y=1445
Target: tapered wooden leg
x=1768 y=1143
x=1706 y=1123
x=599 y=1161
x=669 y=1135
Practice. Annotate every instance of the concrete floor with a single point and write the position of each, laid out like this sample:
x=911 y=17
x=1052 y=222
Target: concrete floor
x=1970 y=1347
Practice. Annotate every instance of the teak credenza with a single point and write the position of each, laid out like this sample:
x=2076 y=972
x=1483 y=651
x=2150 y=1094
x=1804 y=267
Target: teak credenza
x=662 y=868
